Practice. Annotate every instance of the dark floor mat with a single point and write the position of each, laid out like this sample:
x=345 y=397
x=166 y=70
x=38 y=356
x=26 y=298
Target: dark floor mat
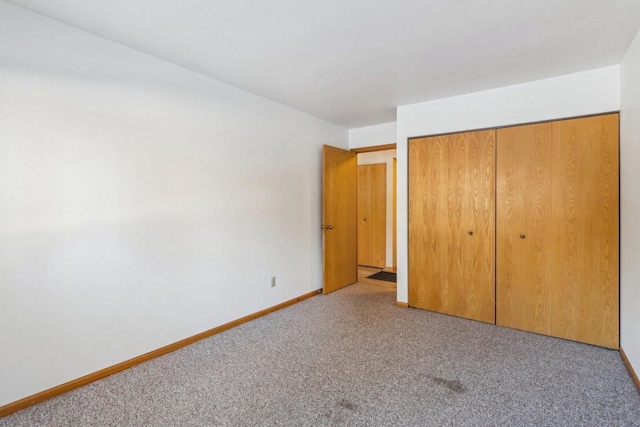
x=384 y=275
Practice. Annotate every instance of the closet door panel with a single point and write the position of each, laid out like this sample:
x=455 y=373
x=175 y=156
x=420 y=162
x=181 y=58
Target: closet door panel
x=586 y=203
x=428 y=216
x=451 y=224
x=364 y=211
x=523 y=209
x=459 y=248
x=480 y=206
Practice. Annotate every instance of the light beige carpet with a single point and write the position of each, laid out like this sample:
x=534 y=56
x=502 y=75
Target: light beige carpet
x=354 y=358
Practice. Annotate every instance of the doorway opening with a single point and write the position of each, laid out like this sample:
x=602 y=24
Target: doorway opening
x=376 y=212
x=340 y=218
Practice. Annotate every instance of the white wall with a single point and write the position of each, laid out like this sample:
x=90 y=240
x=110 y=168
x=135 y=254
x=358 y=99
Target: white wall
x=140 y=203
x=378 y=157
x=370 y=136
x=577 y=94
x=630 y=205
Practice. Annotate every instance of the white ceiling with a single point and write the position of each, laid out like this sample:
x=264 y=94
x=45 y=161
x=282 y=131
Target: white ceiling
x=351 y=62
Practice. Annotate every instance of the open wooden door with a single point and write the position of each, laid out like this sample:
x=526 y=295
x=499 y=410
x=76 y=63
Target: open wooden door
x=339 y=220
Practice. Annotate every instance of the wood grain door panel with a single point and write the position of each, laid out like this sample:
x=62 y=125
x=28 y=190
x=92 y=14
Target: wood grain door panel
x=364 y=212
x=427 y=208
x=585 y=201
x=557 y=186
x=372 y=215
x=339 y=218
x=524 y=222
x=451 y=224
x=481 y=196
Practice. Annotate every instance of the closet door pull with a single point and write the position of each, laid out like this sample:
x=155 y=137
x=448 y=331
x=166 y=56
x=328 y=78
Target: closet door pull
x=470 y=233
x=522 y=236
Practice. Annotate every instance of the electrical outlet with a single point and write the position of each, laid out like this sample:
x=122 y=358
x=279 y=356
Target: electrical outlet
x=273 y=281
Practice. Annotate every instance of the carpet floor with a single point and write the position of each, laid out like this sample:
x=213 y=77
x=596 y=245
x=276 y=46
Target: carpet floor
x=354 y=358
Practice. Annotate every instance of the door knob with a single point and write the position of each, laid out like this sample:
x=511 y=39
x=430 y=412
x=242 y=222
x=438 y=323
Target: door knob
x=321 y=227
x=329 y=227
x=470 y=233
x=522 y=236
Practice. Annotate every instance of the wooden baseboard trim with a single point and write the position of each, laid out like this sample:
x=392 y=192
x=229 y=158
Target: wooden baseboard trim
x=402 y=304
x=79 y=382
x=632 y=372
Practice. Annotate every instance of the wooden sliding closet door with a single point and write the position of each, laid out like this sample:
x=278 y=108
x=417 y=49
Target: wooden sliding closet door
x=557 y=229
x=372 y=215
x=523 y=209
x=451 y=224
x=585 y=197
